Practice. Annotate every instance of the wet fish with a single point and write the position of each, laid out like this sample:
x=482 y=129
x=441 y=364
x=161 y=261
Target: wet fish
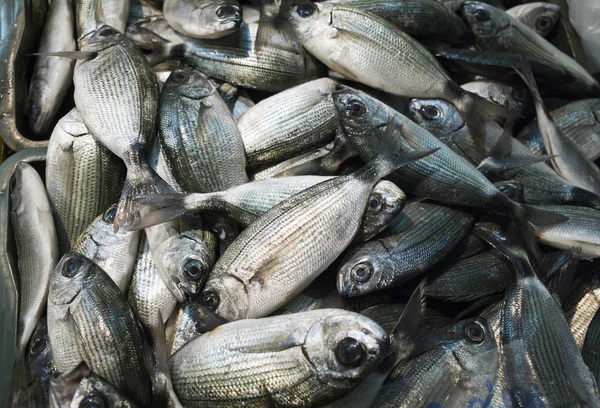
x=190 y=320
x=467 y=247
x=590 y=348
x=40 y=366
x=203 y=18
x=539 y=16
x=242 y=104
x=91 y=15
x=113 y=252
x=419 y=237
x=83 y=178
x=321 y=354
x=582 y=301
x=52 y=76
x=90 y=320
x=289 y=123
x=37 y=248
x=514 y=98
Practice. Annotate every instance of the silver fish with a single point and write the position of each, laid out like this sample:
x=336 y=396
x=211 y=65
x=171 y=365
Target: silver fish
x=539 y=16
x=242 y=104
x=37 y=247
x=203 y=18
x=190 y=320
x=321 y=354
x=51 y=75
x=40 y=366
x=583 y=301
x=514 y=98
x=91 y=15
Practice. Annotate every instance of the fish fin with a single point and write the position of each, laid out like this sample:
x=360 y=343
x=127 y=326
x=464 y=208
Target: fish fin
x=412 y=316
x=73 y=328
x=156 y=209
x=142 y=183
x=80 y=55
x=273 y=27
x=561 y=273
x=63 y=387
x=526 y=75
x=160 y=48
x=542 y=218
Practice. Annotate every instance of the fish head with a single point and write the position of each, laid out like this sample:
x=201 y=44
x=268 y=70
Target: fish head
x=227 y=296
x=104 y=38
x=93 y=391
x=185 y=261
x=39 y=355
x=307 y=19
x=221 y=17
x=476 y=352
x=188 y=83
x=384 y=203
x=345 y=347
x=72 y=274
x=542 y=17
x=435 y=115
x=483 y=19
x=361 y=270
x=513 y=97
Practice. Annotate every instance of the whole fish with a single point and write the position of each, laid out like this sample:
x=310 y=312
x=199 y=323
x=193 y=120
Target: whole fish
x=91 y=15
x=37 y=247
x=203 y=18
x=40 y=366
x=289 y=123
x=367 y=49
x=427 y=19
x=495 y=30
x=582 y=301
x=578 y=120
x=514 y=98
x=540 y=183
x=419 y=237
x=90 y=320
x=113 y=252
x=539 y=16
x=200 y=139
x=124 y=125
x=83 y=178
x=299 y=360
x=51 y=75
x=233 y=59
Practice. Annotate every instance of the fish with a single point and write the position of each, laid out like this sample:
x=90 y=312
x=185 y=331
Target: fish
x=427 y=19
x=467 y=247
x=514 y=98
x=289 y=123
x=419 y=237
x=578 y=120
x=158 y=163
x=113 y=252
x=91 y=15
x=201 y=142
x=233 y=59
x=590 y=348
x=229 y=93
x=540 y=183
x=83 y=178
x=90 y=320
x=52 y=76
x=539 y=16
x=568 y=161
x=189 y=320
x=242 y=104
x=495 y=30
x=203 y=18
x=323 y=353
x=40 y=366
x=367 y=49
x=37 y=247
x=124 y=126
x=582 y=301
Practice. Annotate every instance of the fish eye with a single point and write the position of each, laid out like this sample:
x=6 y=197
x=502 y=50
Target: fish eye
x=93 y=401
x=192 y=269
x=475 y=332
x=109 y=215
x=226 y=10
x=361 y=272
x=70 y=267
x=354 y=107
x=519 y=94
x=430 y=112
x=482 y=15
x=107 y=32
x=375 y=203
x=306 y=10
x=543 y=23
x=350 y=352
x=181 y=76
x=38 y=344
x=211 y=299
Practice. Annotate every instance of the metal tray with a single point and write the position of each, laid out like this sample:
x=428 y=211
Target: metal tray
x=9 y=295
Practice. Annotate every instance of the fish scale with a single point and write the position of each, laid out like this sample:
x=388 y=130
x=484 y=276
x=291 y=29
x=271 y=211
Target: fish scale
x=582 y=302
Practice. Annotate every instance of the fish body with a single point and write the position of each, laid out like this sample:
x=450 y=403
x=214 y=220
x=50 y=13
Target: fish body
x=203 y=18
x=582 y=302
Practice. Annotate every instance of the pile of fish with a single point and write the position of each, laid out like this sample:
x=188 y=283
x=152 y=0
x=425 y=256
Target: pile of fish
x=297 y=204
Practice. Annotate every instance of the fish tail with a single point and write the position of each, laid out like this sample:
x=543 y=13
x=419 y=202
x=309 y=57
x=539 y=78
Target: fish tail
x=138 y=183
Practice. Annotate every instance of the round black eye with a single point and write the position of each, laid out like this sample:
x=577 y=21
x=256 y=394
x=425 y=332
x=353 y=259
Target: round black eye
x=192 y=269
x=38 y=343
x=361 y=272
x=374 y=203
x=226 y=10
x=482 y=15
x=70 y=267
x=306 y=10
x=109 y=215
x=93 y=401
x=475 y=332
x=107 y=32
x=355 y=107
x=543 y=23
x=210 y=299
x=181 y=76
x=350 y=352
x=519 y=94
x=430 y=112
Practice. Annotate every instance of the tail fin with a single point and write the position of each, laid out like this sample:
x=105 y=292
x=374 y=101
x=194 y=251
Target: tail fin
x=389 y=157
x=160 y=48
x=526 y=75
x=139 y=183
